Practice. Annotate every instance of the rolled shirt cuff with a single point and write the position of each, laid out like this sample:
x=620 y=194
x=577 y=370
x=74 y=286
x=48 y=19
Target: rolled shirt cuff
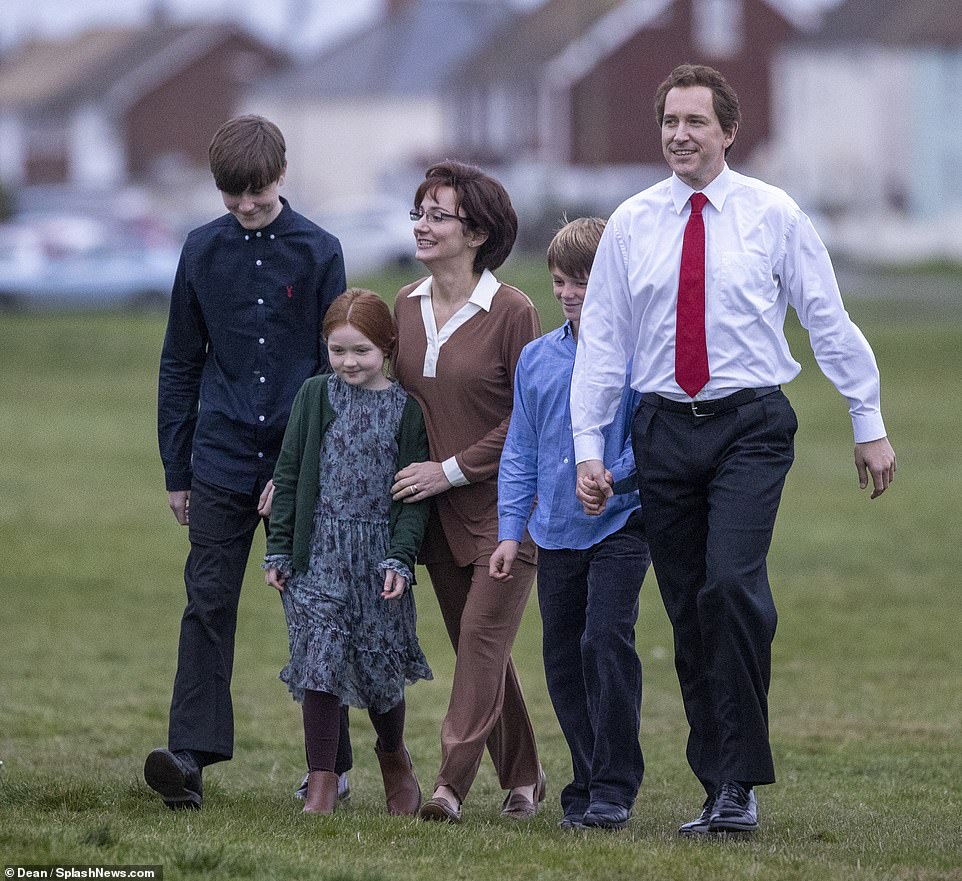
x=453 y=472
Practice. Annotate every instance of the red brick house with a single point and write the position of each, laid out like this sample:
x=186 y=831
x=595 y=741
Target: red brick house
x=572 y=82
x=119 y=105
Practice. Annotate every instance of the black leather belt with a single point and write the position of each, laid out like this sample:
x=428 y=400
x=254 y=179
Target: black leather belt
x=709 y=408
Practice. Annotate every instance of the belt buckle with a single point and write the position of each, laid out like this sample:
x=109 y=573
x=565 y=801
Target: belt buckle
x=694 y=410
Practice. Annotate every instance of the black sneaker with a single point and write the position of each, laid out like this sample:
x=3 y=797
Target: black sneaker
x=701 y=825
x=177 y=777
x=736 y=809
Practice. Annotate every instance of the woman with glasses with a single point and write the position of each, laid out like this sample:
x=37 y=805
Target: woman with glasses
x=460 y=333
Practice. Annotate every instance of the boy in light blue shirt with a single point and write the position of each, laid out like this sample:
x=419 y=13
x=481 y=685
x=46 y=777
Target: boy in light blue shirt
x=590 y=568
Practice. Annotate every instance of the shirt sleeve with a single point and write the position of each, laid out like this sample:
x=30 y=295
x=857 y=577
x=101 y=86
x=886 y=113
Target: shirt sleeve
x=604 y=339
x=518 y=472
x=623 y=468
x=178 y=392
x=842 y=352
x=333 y=283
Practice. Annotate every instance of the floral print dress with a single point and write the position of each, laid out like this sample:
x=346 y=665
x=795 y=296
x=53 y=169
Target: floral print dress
x=344 y=638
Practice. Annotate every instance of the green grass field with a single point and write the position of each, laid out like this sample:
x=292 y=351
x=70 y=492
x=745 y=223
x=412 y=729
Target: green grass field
x=866 y=699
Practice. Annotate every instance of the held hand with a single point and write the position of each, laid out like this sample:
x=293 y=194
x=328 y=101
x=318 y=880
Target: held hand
x=275 y=579
x=499 y=566
x=594 y=487
x=878 y=459
x=179 y=502
x=394 y=585
x=266 y=500
x=419 y=481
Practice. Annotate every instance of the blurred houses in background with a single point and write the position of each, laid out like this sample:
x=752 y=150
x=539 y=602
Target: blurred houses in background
x=857 y=112
x=581 y=74
x=868 y=127
x=113 y=107
x=375 y=101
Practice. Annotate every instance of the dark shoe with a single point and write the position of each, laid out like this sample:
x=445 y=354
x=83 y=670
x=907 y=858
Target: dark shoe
x=343 y=788
x=736 y=809
x=177 y=777
x=519 y=807
x=401 y=790
x=701 y=825
x=572 y=821
x=440 y=810
x=321 y=793
x=606 y=815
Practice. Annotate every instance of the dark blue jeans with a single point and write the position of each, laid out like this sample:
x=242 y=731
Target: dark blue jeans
x=221 y=530
x=589 y=606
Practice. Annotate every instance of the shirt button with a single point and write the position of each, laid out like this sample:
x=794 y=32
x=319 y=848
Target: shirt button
x=258 y=234
x=566 y=460
x=257 y=262
x=260 y=418
x=272 y=235
x=260 y=455
x=247 y=238
x=261 y=341
x=260 y=301
x=263 y=379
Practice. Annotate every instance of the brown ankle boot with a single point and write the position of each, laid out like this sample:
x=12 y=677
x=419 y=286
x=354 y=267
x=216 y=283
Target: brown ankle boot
x=401 y=788
x=321 y=793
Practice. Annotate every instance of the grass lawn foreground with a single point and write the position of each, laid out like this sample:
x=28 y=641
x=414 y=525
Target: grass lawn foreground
x=866 y=698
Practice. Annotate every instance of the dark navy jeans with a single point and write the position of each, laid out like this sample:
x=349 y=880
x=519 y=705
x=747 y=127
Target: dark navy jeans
x=589 y=606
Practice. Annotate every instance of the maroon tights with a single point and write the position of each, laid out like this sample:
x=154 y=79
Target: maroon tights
x=322 y=728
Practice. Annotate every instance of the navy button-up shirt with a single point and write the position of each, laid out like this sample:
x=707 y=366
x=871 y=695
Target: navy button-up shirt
x=538 y=464
x=244 y=332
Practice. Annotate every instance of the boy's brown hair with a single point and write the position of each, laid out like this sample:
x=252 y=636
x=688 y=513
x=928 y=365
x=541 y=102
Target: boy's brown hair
x=247 y=152
x=572 y=250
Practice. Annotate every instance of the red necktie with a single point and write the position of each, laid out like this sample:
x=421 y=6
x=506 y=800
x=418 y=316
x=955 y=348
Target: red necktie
x=691 y=351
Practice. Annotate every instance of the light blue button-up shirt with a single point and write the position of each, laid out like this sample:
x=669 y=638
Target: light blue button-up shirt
x=538 y=467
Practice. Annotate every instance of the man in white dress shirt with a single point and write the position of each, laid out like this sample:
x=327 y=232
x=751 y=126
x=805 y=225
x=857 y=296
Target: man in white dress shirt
x=712 y=460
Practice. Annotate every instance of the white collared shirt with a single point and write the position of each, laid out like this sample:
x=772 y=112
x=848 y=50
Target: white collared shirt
x=762 y=254
x=480 y=300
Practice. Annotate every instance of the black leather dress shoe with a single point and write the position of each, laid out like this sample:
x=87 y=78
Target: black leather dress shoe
x=736 y=809
x=177 y=777
x=702 y=824
x=574 y=820
x=606 y=815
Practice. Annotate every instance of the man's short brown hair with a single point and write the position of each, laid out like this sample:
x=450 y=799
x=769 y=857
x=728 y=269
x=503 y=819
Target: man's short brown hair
x=247 y=152
x=723 y=97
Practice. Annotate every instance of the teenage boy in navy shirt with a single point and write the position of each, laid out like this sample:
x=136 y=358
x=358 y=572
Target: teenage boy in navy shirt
x=244 y=332
x=590 y=568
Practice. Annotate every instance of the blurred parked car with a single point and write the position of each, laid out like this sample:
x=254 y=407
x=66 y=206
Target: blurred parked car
x=375 y=232
x=83 y=262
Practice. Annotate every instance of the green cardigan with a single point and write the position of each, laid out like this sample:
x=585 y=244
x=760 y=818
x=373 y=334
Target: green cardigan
x=297 y=479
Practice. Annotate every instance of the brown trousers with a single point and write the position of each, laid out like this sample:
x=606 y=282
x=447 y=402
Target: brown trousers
x=487 y=706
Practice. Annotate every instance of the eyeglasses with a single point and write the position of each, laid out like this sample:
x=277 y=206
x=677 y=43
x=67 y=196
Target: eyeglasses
x=434 y=216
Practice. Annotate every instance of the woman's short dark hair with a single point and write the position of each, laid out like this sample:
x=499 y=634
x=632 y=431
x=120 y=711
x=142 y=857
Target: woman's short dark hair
x=483 y=201
x=723 y=97
x=247 y=152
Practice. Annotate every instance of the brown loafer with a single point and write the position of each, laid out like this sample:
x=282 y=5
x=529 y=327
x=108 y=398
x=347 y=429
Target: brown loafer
x=440 y=810
x=519 y=807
